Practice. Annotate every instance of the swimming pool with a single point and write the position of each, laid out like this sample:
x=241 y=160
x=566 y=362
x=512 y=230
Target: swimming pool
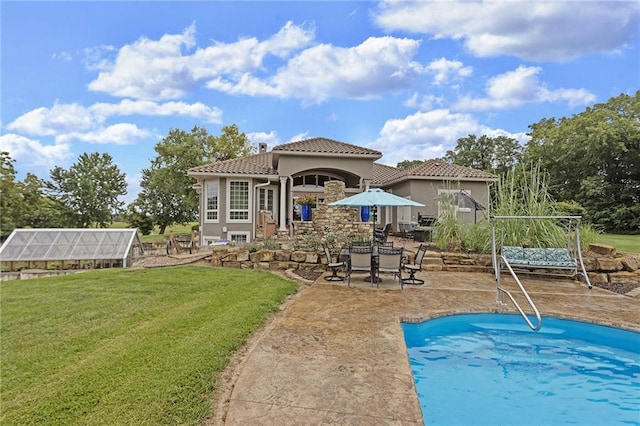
x=491 y=369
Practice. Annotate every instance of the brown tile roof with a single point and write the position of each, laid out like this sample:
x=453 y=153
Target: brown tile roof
x=438 y=168
x=324 y=145
x=383 y=173
x=257 y=164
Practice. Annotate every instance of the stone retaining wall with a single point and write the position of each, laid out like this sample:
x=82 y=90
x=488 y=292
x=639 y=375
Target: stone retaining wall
x=602 y=268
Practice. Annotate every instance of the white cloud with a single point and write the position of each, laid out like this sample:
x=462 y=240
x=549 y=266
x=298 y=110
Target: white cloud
x=164 y=69
x=32 y=152
x=118 y=134
x=59 y=119
x=539 y=31
x=271 y=138
x=427 y=135
x=521 y=86
x=129 y=107
x=424 y=102
x=73 y=122
x=445 y=70
x=376 y=66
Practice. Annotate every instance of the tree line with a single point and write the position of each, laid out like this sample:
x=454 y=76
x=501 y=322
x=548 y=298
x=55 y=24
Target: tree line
x=591 y=161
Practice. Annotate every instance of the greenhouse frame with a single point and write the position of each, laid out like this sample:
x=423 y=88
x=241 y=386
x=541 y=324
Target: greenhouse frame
x=70 y=249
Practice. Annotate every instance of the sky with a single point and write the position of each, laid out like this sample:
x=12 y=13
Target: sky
x=405 y=78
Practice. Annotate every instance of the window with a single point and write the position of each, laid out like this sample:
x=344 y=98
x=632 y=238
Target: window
x=451 y=200
x=238 y=201
x=265 y=200
x=211 y=209
x=238 y=237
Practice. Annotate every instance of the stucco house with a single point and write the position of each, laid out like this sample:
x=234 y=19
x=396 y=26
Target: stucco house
x=233 y=193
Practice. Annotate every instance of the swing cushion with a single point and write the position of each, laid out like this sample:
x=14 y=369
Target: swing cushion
x=539 y=257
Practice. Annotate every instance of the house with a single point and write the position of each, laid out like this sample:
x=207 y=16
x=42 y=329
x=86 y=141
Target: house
x=234 y=194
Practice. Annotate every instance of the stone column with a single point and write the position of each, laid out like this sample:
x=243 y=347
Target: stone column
x=283 y=203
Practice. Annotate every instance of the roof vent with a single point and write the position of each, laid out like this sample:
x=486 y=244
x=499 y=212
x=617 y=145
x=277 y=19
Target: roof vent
x=262 y=147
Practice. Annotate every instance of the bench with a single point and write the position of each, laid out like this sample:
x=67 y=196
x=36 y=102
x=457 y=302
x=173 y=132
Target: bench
x=533 y=258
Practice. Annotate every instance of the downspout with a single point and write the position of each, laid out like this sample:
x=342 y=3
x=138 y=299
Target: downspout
x=255 y=204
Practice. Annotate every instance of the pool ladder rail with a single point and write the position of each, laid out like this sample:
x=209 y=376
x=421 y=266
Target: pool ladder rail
x=502 y=291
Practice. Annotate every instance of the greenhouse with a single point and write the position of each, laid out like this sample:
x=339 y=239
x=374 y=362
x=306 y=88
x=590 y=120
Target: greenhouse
x=70 y=249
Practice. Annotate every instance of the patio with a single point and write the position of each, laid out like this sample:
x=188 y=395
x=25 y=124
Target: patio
x=336 y=355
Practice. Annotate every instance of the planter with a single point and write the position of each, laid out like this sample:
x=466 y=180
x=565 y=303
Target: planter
x=305 y=212
x=365 y=213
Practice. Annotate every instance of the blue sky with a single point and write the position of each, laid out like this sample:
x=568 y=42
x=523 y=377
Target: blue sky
x=405 y=78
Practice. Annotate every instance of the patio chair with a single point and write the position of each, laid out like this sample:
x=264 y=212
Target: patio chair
x=390 y=261
x=334 y=266
x=416 y=266
x=360 y=260
x=407 y=230
x=381 y=235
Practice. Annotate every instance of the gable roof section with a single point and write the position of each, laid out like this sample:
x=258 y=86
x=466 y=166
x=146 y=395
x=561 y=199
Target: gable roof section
x=383 y=173
x=324 y=146
x=68 y=244
x=430 y=170
x=255 y=165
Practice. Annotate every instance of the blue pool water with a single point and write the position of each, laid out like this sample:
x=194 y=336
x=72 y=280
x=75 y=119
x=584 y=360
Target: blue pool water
x=491 y=369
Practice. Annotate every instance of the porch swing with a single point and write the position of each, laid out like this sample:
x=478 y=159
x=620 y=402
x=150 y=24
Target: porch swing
x=517 y=253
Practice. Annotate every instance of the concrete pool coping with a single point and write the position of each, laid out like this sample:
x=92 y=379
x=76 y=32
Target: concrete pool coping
x=336 y=354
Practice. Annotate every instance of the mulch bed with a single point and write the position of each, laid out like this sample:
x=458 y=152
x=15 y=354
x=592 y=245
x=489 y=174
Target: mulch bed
x=308 y=274
x=617 y=288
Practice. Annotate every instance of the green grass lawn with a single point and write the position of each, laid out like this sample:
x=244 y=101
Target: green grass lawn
x=155 y=235
x=622 y=243
x=118 y=346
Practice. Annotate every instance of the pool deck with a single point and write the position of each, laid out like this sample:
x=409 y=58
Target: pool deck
x=336 y=354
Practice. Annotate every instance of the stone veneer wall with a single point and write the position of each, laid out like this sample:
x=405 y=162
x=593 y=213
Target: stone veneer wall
x=343 y=223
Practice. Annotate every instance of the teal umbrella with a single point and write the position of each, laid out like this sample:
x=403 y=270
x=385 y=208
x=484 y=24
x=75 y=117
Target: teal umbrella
x=376 y=197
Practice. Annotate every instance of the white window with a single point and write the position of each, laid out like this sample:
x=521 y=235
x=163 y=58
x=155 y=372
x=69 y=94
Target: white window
x=212 y=201
x=239 y=237
x=265 y=200
x=238 y=196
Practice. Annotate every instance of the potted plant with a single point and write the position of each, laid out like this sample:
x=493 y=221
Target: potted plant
x=306 y=201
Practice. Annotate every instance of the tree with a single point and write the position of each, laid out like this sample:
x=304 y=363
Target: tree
x=9 y=195
x=407 y=164
x=594 y=158
x=167 y=194
x=89 y=189
x=496 y=155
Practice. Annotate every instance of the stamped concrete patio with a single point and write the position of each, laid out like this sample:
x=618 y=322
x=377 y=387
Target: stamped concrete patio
x=336 y=355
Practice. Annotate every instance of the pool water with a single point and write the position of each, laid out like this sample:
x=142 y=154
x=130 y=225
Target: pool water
x=491 y=369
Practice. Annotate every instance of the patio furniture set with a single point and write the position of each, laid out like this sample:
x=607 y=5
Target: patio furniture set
x=380 y=257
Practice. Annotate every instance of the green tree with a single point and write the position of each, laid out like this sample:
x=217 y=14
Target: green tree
x=407 y=164
x=9 y=195
x=593 y=158
x=89 y=189
x=496 y=155
x=167 y=194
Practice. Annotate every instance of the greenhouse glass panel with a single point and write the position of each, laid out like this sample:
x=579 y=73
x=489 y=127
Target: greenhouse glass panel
x=69 y=244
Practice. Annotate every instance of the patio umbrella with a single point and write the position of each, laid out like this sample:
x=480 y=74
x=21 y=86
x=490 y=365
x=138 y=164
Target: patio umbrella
x=376 y=197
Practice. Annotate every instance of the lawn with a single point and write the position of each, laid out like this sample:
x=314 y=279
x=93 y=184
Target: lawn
x=155 y=236
x=126 y=346
x=622 y=243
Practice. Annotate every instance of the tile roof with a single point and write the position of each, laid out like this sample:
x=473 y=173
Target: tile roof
x=439 y=168
x=383 y=173
x=257 y=164
x=324 y=145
